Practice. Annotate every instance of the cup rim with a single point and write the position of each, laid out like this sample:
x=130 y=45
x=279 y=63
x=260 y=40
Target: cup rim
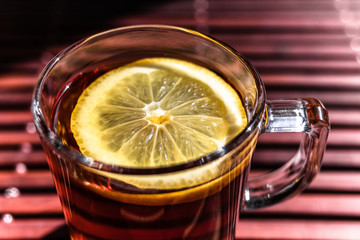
x=49 y=137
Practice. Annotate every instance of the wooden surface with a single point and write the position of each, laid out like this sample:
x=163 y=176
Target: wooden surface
x=301 y=48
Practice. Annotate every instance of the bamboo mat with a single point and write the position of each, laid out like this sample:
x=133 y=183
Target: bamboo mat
x=301 y=48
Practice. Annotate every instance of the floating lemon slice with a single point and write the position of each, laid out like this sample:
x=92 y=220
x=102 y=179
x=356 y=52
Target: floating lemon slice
x=156 y=112
x=160 y=112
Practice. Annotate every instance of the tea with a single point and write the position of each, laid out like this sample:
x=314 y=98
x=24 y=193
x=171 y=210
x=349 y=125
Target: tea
x=121 y=184
x=99 y=206
x=92 y=216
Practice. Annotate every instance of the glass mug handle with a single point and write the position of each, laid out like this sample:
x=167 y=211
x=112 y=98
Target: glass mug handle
x=294 y=115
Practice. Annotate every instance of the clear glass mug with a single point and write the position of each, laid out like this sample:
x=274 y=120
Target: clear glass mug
x=102 y=201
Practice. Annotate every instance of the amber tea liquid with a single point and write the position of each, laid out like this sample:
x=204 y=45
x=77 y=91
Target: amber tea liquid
x=93 y=211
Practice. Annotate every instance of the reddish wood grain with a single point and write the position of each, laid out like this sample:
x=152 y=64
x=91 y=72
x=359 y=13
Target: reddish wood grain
x=18 y=137
x=345 y=158
x=13 y=157
x=316 y=205
x=301 y=50
x=302 y=229
x=15 y=117
x=331 y=99
x=30 y=228
x=16 y=98
x=12 y=82
x=337 y=137
x=339 y=81
x=29 y=179
x=38 y=204
x=249 y=20
x=230 y=5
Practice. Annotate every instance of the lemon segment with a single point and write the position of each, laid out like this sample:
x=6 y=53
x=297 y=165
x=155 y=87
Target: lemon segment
x=156 y=112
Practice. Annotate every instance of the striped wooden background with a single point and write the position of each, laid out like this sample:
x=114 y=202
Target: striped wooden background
x=302 y=48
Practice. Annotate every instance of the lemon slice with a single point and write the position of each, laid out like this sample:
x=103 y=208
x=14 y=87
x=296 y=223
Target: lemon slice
x=159 y=112
x=156 y=112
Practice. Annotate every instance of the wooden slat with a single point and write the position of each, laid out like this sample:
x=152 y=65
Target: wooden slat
x=32 y=66
x=293 y=52
x=316 y=205
x=343 y=65
x=312 y=80
x=29 y=158
x=326 y=23
x=246 y=229
x=16 y=82
x=343 y=138
x=333 y=158
x=250 y=6
x=29 y=179
x=345 y=117
x=31 y=204
x=18 y=137
x=300 y=49
x=32 y=229
x=337 y=181
x=291 y=38
x=15 y=117
x=337 y=137
x=302 y=229
x=329 y=98
x=16 y=98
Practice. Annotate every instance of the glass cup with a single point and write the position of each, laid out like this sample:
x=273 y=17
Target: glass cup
x=103 y=201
